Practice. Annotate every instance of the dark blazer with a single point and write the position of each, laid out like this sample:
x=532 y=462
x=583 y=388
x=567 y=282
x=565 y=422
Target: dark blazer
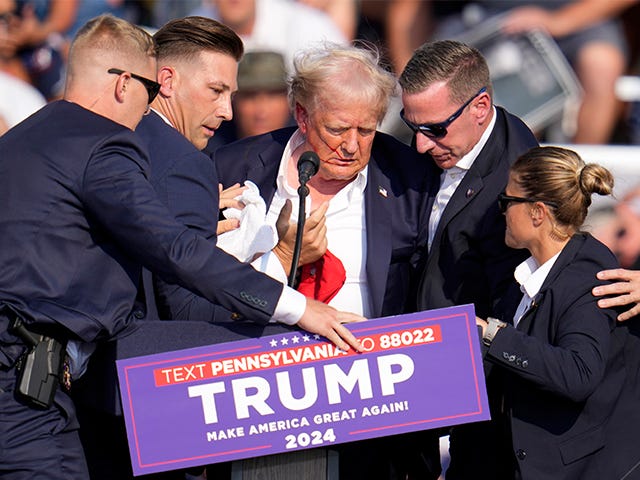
x=468 y=261
x=79 y=220
x=563 y=375
x=186 y=183
x=395 y=221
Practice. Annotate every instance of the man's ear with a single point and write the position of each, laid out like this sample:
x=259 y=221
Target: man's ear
x=301 y=117
x=167 y=78
x=121 y=87
x=482 y=106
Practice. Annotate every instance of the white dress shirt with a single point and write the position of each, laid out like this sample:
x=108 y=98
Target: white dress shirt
x=450 y=180
x=346 y=232
x=530 y=276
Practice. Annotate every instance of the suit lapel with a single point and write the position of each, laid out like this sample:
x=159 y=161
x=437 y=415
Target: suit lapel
x=565 y=257
x=473 y=182
x=264 y=172
x=469 y=187
x=524 y=325
x=378 y=218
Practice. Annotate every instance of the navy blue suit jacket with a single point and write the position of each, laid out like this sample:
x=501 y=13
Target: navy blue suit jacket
x=396 y=225
x=186 y=182
x=468 y=261
x=564 y=373
x=80 y=218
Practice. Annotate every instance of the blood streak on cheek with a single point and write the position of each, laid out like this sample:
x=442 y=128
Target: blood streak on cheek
x=335 y=151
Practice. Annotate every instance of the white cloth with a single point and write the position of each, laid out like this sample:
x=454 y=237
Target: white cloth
x=530 y=276
x=450 y=180
x=253 y=236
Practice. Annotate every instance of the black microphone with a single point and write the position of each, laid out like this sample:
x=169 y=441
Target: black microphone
x=308 y=165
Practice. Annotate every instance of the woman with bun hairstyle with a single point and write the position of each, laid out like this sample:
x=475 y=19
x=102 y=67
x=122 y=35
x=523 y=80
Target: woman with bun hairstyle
x=555 y=361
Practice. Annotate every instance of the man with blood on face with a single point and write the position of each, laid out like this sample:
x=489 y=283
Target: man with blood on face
x=367 y=204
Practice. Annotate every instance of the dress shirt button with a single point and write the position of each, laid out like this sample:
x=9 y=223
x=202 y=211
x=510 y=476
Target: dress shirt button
x=139 y=314
x=521 y=454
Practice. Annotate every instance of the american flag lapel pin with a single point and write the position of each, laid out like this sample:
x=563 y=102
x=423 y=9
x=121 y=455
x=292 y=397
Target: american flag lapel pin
x=382 y=191
x=470 y=192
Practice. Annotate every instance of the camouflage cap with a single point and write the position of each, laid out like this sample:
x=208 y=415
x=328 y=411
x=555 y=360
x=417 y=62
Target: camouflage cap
x=262 y=70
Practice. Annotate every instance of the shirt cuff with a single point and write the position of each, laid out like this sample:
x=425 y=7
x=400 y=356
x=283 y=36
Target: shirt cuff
x=292 y=304
x=290 y=307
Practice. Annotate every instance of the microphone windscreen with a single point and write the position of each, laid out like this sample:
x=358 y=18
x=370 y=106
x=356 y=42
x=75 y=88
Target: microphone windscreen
x=311 y=158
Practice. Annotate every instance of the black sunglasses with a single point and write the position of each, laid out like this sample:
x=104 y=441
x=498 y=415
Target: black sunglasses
x=504 y=201
x=151 y=86
x=438 y=130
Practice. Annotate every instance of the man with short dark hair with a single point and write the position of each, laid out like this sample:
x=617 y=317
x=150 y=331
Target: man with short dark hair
x=197 y=69
x=470 y=145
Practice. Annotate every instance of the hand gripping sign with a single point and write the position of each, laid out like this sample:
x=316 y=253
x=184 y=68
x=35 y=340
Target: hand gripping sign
x=294 y=391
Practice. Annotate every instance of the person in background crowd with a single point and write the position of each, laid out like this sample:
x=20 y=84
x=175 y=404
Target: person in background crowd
x=281 y=26
x=39 y=35
x=344 y=14
x=18 y=100
x=587 y=32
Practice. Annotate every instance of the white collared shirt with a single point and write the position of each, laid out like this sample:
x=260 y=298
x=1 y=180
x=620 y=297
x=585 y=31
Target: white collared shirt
x=530 y=276
x=450 y=179
x=346 y=230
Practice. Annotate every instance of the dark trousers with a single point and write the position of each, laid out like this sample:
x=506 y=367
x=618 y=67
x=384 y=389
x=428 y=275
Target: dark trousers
x=409 y=456
x=38 y=444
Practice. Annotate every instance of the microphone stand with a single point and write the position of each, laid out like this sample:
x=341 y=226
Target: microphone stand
x=303 y=191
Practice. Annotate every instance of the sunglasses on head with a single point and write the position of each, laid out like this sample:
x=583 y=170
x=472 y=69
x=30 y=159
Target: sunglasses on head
x=151 y=86
x=438 y=130
x=504 y=201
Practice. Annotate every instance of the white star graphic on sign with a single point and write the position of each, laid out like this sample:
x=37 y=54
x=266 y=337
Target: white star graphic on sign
x=316 y=336
x=295 y=339
x=306 y=338
x=273 y=343
x=284 y=341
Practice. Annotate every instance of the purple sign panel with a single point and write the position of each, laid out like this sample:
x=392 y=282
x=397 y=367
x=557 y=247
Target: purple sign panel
x=293 y=391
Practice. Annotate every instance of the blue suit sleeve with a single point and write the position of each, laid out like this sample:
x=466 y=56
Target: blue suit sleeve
x=117 y=193
x=573 y=365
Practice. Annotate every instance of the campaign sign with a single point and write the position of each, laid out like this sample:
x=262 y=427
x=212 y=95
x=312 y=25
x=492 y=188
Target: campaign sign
x=293 y=391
